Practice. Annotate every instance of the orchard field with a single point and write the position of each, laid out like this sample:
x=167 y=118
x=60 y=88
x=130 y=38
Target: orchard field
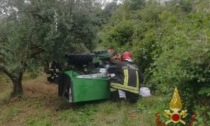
x=41 y=106
x=170 y=43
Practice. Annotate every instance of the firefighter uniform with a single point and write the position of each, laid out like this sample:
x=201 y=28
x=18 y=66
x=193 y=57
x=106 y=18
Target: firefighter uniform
x=126 y=78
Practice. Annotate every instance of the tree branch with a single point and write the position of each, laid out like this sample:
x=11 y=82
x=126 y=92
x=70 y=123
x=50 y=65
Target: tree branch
x=36 y=52
x=6 y=71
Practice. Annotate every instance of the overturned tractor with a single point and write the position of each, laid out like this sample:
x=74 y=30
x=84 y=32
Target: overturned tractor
x=84 y=77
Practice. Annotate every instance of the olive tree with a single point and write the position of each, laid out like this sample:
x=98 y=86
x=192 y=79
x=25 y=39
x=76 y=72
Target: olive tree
x=35 y=31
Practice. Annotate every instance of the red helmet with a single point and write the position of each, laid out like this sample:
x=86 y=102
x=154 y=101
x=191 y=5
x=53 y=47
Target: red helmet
x=126 y=56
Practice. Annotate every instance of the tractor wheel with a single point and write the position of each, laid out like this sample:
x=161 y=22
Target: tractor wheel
x=64 y=85
x=60 y=84
x=67 y=84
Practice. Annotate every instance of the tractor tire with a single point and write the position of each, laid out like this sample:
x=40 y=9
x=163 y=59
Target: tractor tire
x=60 y=84
x=64 y=83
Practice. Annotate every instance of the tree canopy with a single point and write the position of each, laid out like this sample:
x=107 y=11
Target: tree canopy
x=35 y=31
x=170 y=42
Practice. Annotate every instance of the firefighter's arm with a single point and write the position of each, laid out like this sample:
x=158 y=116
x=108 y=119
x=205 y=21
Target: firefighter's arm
x=114 y=69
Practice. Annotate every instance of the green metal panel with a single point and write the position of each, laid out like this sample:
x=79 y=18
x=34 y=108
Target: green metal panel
x=85 y=89
x=88 y=89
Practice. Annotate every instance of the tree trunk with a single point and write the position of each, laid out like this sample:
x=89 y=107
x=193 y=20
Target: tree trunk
x=16 y=80
x=17 y=86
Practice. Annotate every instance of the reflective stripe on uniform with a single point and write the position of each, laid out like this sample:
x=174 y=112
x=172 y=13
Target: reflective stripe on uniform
x=126 y=88
x=137 y=79
x=113 y=89
x=126 y=77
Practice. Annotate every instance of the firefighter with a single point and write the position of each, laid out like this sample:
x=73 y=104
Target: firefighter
x=126 y=78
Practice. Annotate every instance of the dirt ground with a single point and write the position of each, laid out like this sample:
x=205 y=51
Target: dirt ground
x=38 y=94
x=39 y=87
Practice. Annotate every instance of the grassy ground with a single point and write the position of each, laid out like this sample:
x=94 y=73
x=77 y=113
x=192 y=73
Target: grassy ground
x=40 y=106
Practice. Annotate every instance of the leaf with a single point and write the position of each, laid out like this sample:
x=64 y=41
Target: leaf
x=204 y=90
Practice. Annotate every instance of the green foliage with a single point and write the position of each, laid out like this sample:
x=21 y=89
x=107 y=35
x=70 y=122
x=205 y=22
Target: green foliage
x=110 y=8
x=202 y=115
x=37 y=31
x=205 y=91
x=186 y=5
x=150 y=106
x=120 y=34
x=135 y=4
x=170 y=43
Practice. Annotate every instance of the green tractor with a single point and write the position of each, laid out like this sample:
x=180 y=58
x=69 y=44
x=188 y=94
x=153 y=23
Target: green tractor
x=84 y=77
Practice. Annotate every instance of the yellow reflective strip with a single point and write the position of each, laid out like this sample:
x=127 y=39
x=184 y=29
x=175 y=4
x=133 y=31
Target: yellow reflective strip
x=113 y=89
x=126 y=88
x=137 y=79
x=126 y=77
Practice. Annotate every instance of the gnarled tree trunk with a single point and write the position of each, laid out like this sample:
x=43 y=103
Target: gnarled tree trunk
x=16 y=80
x=17 y=86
